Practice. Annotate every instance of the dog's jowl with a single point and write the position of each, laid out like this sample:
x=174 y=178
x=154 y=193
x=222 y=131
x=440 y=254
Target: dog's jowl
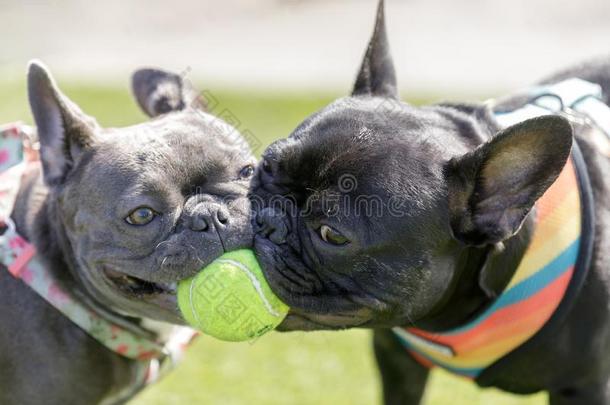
x=474 y=237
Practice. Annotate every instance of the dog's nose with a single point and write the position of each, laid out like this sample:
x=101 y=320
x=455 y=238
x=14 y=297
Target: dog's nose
x=209 y=217
x=273 y=225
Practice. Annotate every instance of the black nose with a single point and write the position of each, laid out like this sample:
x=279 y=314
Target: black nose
x=209 y=217
x=272 y=224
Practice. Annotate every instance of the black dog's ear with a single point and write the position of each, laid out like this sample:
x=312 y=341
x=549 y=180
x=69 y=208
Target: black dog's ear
x=63 y=129
x=377 y=76
x=159 y=92
x=493 y=188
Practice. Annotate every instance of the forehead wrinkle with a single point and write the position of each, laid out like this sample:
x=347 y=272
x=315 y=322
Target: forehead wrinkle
x=150 y=187
x=339 y=137
x=406 y=158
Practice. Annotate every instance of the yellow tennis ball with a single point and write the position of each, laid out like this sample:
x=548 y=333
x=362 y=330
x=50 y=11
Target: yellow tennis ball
x=230 y=299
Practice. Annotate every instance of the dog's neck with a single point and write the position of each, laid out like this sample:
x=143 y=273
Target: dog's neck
x=469 y=293
x=35 y=221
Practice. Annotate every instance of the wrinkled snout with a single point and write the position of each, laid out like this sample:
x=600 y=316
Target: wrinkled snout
x=271 y=223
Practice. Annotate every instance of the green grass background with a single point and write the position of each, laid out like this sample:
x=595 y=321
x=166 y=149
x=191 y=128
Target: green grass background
x=293 y=368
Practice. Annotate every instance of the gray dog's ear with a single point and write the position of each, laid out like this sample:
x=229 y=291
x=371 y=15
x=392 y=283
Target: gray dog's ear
x=493 y=188
x=160 y=92
x=63 y=129
x=377 y=76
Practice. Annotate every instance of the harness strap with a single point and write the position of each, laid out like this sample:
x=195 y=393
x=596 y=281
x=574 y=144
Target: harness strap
x=576 y=99
x=20 y=258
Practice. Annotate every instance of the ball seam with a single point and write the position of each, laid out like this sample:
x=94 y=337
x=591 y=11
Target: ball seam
x=191 y=287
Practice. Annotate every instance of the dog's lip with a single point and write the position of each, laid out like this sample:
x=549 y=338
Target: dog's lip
x=306 y=321
x=136 y=286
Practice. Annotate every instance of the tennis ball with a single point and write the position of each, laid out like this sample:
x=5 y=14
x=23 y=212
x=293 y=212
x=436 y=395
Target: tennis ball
x=230 y=299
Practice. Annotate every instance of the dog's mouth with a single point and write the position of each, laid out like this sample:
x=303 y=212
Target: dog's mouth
x=312 y=306
x=297 y=320
x=134 y=286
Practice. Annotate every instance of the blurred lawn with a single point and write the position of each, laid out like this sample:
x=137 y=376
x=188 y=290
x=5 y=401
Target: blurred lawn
x=295 y=368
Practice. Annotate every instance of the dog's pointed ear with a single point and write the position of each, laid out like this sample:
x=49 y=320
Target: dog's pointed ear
x=492 y=188
x=377 y=76
x=159 y=92
x=63 y=129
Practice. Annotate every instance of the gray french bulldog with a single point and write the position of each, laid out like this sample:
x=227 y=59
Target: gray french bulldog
x=119 y=216
x=465 y=189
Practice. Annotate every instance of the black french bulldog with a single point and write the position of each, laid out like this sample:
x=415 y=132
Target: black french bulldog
x=119 y=216
x=466 y=189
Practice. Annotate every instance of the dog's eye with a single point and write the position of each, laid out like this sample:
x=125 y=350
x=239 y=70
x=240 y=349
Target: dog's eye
x=141 y=216
x=332 y=236
x=267 y=166
x=246 y=172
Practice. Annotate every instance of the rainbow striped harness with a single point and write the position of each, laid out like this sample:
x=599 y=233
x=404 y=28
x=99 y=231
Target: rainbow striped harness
x=554 y=264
